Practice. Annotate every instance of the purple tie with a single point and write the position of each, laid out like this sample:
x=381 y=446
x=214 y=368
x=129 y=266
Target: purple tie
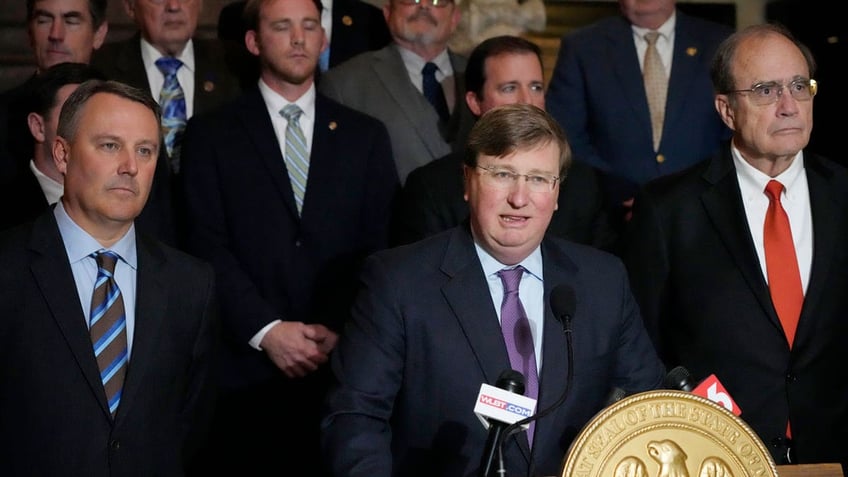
x=517 y=335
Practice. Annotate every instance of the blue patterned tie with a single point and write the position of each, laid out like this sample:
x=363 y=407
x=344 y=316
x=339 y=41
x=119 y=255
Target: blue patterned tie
x=108 y=328
x=172 y=101
x=517 y=336
x=297 y=155
x=433 y=90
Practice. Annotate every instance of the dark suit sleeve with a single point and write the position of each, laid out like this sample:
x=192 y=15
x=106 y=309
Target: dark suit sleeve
x=198 y=406
x=368 y=367
x=647 y=264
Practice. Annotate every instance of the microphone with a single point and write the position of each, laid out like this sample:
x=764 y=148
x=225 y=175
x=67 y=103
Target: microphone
x=563 y=302
x=709 y=388
x=680 y=379
x=615 y=395
x=513 y=382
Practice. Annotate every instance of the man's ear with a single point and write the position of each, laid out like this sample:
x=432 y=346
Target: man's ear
x=473 y=103
x=61 y=153
x=36 y=126
x=725 y=111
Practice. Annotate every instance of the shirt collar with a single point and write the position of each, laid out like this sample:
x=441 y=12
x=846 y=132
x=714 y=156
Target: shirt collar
x=532 y=263
x=79 y=244
x=275 y=102
x=149 y=54
x=416 y=63
x=753 y=181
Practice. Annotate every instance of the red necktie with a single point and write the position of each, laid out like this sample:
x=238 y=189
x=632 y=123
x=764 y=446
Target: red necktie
x=781 y=264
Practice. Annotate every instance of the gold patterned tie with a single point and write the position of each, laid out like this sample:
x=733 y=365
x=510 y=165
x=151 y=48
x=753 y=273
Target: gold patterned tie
x=656 y=86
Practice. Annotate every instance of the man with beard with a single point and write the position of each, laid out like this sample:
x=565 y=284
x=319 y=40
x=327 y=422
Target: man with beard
x=414 y=85
x=286 y=191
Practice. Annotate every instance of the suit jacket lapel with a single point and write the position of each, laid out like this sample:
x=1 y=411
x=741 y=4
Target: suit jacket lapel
x=150 y=311
x=622 y=53
x=254 y=118
x=130 y=63
x=391 y=71
x=688 y=51
x=828 y=215
x=723 y=204
x=467 y=292
x=52 y=272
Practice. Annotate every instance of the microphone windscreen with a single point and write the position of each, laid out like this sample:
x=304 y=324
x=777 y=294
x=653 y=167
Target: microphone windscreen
x=511 y=380
x=563 y=301
x=679 y=378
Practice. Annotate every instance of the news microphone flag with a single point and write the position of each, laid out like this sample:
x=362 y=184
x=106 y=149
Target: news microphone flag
x=502 y=405
x=712 y=389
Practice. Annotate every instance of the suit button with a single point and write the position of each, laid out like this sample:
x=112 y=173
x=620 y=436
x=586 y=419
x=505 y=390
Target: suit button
x=115 y=445
x=297 y=243
x=790 y=378
x=660 y=158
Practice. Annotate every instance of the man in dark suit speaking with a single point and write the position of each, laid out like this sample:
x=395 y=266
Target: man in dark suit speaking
x=433 y=321
x=286 y=191
x=105 y=334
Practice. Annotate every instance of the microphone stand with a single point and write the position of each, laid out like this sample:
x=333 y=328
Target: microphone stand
x=500 y=471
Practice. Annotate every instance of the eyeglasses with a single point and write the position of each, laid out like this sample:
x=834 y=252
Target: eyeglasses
x=504 y=179
x=434 y=3
x=763 y=94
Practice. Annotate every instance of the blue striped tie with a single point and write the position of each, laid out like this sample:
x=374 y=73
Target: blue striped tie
x=297 y=157
x=172 y=102
x=108 y=327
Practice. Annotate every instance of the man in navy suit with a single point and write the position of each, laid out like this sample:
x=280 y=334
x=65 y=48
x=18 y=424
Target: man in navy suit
x=697 y=254
x=501 y=70
x=598 y=96
x=286 y=255
x=55 y=418
x=425 y=330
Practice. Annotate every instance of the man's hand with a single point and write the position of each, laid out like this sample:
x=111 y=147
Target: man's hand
x=297 y=348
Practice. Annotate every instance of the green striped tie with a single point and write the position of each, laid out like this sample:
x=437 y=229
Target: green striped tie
x=297 y=157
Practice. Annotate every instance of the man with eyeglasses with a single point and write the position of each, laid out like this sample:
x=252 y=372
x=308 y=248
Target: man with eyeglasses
x=433 y=322
x=738 y=263
x=413 y=85
x=501 y=70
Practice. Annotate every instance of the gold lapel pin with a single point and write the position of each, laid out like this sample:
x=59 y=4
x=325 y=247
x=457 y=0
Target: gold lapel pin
x=333 y=125
x=208 y=86
x=347 y=20
x=691 y=51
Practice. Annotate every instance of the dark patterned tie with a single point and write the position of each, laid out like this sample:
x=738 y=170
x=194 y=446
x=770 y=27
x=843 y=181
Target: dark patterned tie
x=433 y=90
x=517 y=336
x=108 y=327
x=172 y=102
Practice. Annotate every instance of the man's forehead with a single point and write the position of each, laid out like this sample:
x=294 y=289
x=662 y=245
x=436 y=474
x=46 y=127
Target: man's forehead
x=62 y=7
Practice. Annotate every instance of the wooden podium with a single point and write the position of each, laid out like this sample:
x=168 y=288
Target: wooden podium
x=810 y=470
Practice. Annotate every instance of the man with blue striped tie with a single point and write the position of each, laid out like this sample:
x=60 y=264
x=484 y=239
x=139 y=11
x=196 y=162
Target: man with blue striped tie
x=106 y=333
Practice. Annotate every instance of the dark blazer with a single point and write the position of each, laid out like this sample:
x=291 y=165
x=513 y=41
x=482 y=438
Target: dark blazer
x=272 y=264
x=597 y=95
x=54 y=419
x=21 y=197
x=432 y=201
x=698 y=280
x=424 y=335
x=377 y=84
